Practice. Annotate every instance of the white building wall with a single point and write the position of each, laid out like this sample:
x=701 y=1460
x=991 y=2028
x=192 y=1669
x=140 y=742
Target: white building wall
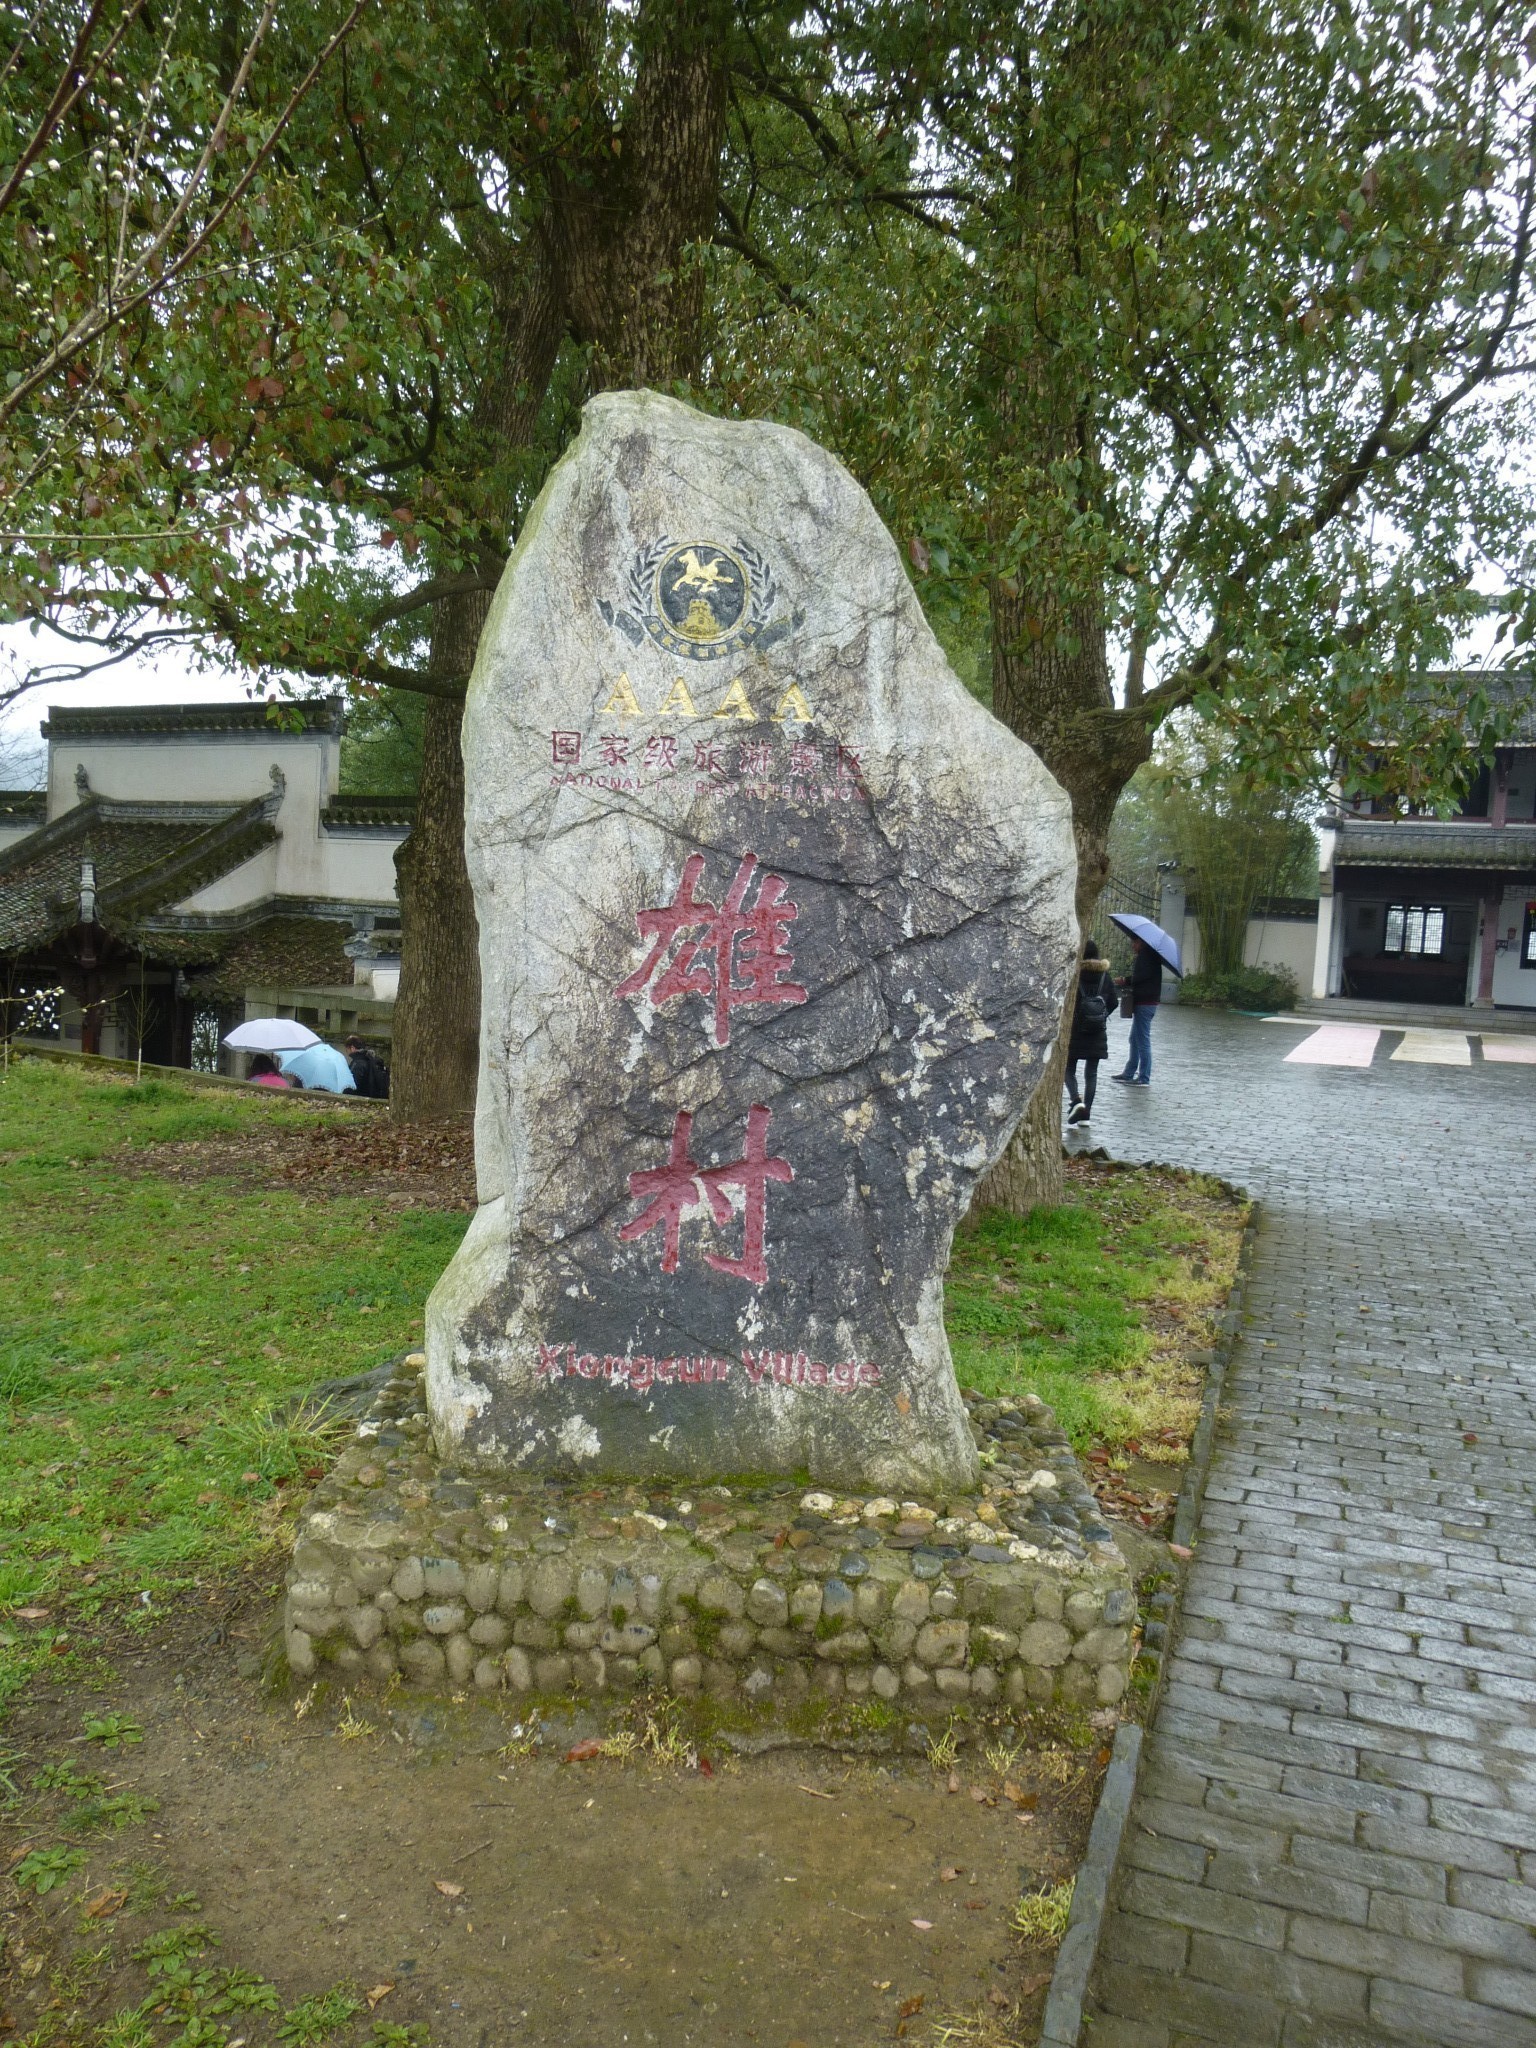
x=196 y=768
x=253 y=882
x=1513 y=983
x=357 y=868
x=1289 y=942
x=306 y=865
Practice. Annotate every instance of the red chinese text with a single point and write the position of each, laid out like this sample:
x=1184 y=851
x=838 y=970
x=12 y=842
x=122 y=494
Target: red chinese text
x=671 y=1192
x=733 y=952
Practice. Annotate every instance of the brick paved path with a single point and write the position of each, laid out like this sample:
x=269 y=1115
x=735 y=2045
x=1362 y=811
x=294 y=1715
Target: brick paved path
x=1334 y=1840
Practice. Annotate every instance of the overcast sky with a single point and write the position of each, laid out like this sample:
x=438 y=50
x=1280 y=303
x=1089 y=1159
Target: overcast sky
x=169 y=677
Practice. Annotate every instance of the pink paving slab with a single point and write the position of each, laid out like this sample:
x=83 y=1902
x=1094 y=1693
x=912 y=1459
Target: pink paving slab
x=1337 y=1045
x=1512 y=1052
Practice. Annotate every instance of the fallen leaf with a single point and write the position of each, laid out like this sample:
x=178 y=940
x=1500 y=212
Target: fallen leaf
x=954 y=1781
x=583 y=1752
x=908 y=2006
x=1469 y=1436
x=980 y=1795
x=379 y=1991
x=1181 y=1552
x=975 y=1905
x=950 y=1872
x=32 y=1613
x=104 y=1905
x=997 y=1998
x=447 y=1888
x=706 y=1768
x=924 y=1925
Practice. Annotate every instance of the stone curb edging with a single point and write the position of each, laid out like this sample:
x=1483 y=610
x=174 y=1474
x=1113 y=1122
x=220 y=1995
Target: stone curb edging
x=1090 y=1897
x=1186 y=1514
x=1063 y=2020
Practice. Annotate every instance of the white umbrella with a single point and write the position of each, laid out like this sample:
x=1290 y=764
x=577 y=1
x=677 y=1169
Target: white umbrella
x=271 y=1034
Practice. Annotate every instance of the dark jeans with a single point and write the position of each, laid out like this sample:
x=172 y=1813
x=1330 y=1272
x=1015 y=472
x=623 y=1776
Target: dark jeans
x=1138 y=1062
x=1090 y=1081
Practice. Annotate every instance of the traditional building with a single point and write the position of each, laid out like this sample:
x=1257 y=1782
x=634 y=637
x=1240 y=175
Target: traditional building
x=188 y=866
x=1417 y=909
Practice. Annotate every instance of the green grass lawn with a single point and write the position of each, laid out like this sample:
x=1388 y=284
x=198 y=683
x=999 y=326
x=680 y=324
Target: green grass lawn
x=1096 y=1305
x=150 y=1326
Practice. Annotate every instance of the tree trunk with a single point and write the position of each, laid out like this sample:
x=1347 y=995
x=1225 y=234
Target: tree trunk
x=436 y=1044
x=436 y=1041
x=1050 y=683
x=607 y=263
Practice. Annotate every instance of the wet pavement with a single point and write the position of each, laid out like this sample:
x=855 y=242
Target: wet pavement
x=1334 y=1839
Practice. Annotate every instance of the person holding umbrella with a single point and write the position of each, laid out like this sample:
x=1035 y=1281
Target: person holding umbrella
x=1090 y=1030
x=1152 y=949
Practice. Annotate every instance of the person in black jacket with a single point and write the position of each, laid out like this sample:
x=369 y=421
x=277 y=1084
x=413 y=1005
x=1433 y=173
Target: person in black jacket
x=368 y=1070
x=1146 y=992
x=1090 y=1030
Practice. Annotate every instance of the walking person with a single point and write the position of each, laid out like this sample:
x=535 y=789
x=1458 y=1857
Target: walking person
x=1089 y=1042
x=1145 y=988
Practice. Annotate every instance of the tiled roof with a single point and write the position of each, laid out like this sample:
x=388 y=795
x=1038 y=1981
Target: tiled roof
x=146 y=856
x=280 y=952
x=1513 y=695
x=365 y=813
x=1421 y=843
x=123 y=721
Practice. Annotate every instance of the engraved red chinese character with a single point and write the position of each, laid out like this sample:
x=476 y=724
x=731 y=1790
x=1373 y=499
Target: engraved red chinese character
x=565 y=749
x=615 y=748
x=804 y=758
x=708 y=758
x=669 y=1192
x=848 y=767
x=734 y=952
x=751 y=1173
x=756 y=757
x=661 y=751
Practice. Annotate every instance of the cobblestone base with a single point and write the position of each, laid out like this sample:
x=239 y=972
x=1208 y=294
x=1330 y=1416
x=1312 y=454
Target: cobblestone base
x=766 y=1593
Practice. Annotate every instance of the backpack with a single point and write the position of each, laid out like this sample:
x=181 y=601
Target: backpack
x=1092 y=1010
x=370 y=1074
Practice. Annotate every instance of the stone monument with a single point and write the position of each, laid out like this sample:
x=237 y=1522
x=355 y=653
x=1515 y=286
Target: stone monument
x=775 y=924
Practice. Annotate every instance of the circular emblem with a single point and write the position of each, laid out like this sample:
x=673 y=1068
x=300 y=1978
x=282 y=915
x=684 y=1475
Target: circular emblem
x=701 y=591
x=700 y=599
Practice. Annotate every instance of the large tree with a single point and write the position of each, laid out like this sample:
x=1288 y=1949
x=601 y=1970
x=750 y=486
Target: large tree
x=1173 y=331
x=1228 y=311
x=483 y=214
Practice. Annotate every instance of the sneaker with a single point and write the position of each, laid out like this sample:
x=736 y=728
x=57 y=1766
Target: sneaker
x=1122 y=1077
x=1077 y=1114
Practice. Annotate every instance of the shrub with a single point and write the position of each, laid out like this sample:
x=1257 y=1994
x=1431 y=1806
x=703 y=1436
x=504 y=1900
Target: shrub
x=1244 y=988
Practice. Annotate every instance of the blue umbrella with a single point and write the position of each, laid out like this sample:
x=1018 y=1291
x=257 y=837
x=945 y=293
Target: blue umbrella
x=319 y=1066
x=1150 y=934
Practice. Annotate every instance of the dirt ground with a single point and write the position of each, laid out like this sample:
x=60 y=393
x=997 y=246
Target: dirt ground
x=341 y=1151
x=800 y=1897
